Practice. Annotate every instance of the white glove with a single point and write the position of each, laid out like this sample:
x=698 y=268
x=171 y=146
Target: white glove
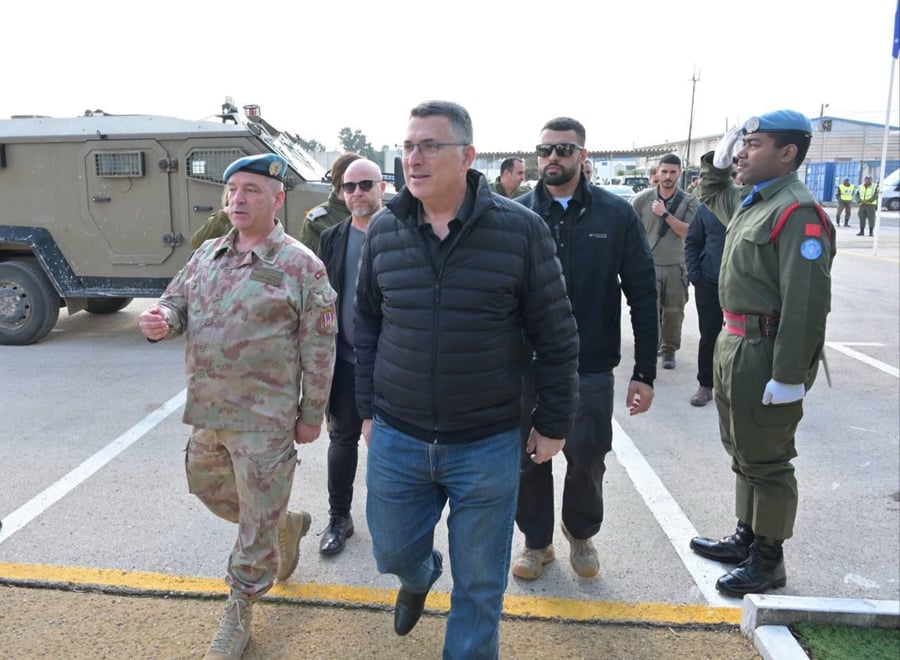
x=782 y=392
x=725 y=150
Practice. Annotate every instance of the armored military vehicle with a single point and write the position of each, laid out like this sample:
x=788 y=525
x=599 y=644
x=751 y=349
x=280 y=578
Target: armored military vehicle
x=99 y=209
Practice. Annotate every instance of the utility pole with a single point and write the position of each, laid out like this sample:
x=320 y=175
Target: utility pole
x=824 y=128
x=695 y=78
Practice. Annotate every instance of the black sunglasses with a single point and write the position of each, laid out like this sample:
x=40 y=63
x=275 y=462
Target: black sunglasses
x=564 y=150
x=350 y=187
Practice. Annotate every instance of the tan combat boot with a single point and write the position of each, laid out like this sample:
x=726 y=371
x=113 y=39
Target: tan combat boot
x=234 y=629
x=292 y=527
x=582 y=555
x=529 y=564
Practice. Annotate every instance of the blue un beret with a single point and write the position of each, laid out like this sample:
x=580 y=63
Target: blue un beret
x=779 y=121
x=270 y=165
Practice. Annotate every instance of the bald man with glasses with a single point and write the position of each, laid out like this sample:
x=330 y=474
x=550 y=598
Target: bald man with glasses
x=340 y=247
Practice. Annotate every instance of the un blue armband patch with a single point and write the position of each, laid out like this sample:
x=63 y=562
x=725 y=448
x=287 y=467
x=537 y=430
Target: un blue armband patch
x=811 y=249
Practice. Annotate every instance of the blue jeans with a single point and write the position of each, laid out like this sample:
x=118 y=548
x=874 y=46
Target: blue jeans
x=409 y=481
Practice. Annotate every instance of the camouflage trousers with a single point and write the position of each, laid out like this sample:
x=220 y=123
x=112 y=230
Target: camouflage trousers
x=245 y=477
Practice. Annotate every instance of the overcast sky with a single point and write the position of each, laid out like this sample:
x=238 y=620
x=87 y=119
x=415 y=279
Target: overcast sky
x=622 y=68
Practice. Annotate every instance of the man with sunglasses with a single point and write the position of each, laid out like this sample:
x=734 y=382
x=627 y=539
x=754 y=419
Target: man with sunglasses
x=332 y=210
x=604 y=252
x=453 y=280
x=340 y=248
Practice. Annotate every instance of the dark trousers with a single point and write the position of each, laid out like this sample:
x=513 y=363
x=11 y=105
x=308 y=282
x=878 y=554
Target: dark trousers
x=344 y=432
x=843 y=207
x=866 y=212
x=709 y=314
x=585 y=452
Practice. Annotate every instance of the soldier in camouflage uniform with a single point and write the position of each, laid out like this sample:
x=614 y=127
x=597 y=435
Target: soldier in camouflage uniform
x=258 y=313
x=775 y=291
x=332 y=210
x=216 y=225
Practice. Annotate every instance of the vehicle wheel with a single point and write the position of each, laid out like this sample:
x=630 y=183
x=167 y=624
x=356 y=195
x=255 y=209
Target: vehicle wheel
x=29 y=305
x=894 y=204
x=107 y=305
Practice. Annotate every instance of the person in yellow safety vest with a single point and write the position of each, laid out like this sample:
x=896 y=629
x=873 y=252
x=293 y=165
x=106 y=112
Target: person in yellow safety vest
x=867 y=196
x=845 y=199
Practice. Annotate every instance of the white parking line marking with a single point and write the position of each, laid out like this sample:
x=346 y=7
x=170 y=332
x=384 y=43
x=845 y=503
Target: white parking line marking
x=671 y=518
x=16 y=520
x=841 y=347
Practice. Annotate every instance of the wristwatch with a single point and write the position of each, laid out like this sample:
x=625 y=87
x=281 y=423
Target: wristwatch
x=664 y=215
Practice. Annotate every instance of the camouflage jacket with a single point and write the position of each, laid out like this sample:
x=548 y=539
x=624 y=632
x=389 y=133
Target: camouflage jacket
x=259 y=326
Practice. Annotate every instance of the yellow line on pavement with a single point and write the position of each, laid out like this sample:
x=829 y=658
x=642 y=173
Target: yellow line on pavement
x=66 y=577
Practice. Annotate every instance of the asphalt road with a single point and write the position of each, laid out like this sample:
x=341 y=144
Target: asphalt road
x=92 y=469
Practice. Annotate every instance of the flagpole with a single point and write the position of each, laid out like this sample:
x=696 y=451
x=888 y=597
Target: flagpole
x=895 y=52
x=887 y=132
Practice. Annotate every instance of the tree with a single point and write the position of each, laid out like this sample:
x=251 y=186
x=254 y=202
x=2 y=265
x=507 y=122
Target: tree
x=357 y=141
x=312 y=146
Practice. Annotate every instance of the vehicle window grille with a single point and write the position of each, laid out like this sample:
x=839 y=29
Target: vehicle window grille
x=119 y=164
x=210 y=164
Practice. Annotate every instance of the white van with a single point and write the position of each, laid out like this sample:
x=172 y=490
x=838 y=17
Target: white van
x=890 y=191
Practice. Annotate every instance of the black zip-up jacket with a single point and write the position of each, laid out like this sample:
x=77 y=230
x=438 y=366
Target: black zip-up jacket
x=703 y=246
x=604 y=252
x=440 y=352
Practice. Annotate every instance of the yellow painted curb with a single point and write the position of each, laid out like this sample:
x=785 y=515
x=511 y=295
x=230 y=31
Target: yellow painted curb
x=519 y=606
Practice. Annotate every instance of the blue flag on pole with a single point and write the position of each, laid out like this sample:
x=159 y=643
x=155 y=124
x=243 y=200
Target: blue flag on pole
x=896 y=51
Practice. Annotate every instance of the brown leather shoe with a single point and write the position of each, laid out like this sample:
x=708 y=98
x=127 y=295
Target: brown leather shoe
x=702 y=396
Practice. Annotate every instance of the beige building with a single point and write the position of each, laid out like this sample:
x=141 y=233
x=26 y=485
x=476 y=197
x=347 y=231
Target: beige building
x=841 y=148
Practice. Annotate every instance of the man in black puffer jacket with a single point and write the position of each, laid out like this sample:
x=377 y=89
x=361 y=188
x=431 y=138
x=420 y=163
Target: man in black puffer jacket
x=453 y=280
x=604 y=252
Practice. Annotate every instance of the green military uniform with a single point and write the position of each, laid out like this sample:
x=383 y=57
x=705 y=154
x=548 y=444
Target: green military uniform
x=668 y=258
x=497 y=188
x=325 y=215
x=867 y=194
x=217 y=225
x=788 y=279
x=845 y=199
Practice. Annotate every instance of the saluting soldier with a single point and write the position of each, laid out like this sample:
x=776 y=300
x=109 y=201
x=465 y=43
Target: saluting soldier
x=258 y=314
x=775 y=290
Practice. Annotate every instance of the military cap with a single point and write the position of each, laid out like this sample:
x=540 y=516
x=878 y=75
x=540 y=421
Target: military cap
x=270 y=165
x=779 y=121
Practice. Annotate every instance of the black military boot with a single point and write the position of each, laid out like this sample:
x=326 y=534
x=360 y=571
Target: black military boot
x=336 y=534
x=761 y=571
x=729 y=550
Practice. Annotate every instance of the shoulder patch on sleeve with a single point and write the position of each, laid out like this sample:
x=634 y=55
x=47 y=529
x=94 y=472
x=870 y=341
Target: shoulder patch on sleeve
x=327 y=320
x=317 y=212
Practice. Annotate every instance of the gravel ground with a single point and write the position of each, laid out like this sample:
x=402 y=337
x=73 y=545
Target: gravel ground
x=54 y=623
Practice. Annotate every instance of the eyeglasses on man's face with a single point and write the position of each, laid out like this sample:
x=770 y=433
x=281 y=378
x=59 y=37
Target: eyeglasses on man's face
x=349 y=187
x=563 y=150
x=428 y=148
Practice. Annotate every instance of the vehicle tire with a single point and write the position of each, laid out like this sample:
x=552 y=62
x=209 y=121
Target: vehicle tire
x=894 y=204
x=107 y=305
x=29 y=305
